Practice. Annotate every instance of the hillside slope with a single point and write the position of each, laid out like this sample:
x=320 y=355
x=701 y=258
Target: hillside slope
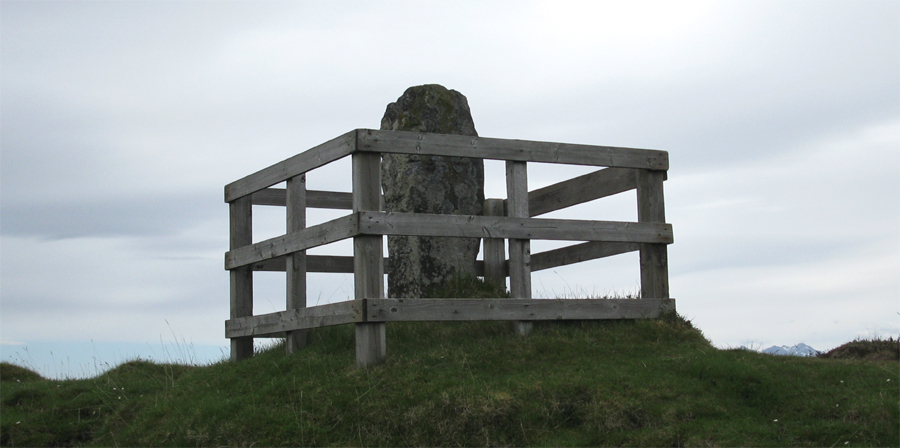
x=651 y=383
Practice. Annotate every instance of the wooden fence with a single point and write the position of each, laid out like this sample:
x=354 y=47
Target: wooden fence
x=511 y=219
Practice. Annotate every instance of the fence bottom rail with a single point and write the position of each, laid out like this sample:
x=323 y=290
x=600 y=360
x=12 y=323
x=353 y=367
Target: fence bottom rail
x=410 y=310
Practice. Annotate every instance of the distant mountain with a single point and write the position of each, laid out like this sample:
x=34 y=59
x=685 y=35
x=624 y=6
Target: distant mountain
x=797 y=350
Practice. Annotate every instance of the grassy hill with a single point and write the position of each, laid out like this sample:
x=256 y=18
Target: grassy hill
x=650 y=383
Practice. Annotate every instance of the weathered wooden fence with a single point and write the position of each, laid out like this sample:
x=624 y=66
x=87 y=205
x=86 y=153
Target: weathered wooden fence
x=511 y=219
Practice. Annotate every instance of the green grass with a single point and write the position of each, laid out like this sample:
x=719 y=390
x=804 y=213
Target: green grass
x=648 y=383
x=872 y=349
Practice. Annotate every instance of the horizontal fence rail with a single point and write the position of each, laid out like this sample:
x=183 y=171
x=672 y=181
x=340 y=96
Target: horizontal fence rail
x=539 y=261
x=420 y=224
x=369 y=140
x=424 y=310
x=511 y=220
x=334 y=149
x=397 y=142
x=459 y=226
x=596 y=185
x=314 y=198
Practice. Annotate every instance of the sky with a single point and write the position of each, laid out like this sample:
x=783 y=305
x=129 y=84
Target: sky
x=121 y=123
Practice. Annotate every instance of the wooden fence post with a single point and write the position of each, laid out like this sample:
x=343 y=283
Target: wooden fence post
x=494 y=252
x=296 y=262
x=519 y=250
x=241 y=234
x=651 y=208
x=368 y=261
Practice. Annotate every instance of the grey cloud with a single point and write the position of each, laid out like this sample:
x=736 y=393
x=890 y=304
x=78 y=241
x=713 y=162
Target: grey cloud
x=122 y=121
x=713 y=253
x=136 y=216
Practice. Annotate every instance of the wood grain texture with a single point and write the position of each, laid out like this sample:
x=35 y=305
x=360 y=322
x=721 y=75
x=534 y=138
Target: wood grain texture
x=336 y=264
x=295 y=263
x=651 y=202
x=654 y=257
x=539 y=261
x=325 y=233
x=421 y=224
x=314 y=198
x=241 y=280
x=320 y=155
x=494 y=250
x=368 y=258
x=591 y=186
x=578 y=253
x=379 y=311
x=376 y=223
x=272 y=324
x=368 y=267
x=406 y=310
x=654 y=270
x=519 y=248
x=371 y=344
x=516 y=150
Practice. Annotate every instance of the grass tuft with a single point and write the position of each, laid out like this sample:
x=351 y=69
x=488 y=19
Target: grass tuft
x=872 y=349
x=14 y=373
x=467 y=287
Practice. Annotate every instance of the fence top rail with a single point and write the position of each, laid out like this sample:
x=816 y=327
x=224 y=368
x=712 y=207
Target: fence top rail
x=401 y=142
x=334 y=149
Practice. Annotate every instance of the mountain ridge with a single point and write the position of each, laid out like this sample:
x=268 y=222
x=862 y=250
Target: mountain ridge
x=800 y=349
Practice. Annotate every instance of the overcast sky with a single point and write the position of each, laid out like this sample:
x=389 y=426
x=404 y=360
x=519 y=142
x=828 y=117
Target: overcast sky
x=123 y=121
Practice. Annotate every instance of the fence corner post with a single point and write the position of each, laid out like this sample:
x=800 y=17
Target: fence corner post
x=654 y=257
x=368 y=260
x=241 y=234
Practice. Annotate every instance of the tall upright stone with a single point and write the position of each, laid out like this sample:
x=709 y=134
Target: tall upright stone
x=430 y=184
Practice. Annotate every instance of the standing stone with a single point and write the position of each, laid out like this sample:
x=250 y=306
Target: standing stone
x=430 y=184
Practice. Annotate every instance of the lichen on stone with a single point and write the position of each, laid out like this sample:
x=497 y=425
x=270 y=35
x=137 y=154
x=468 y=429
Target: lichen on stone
x=430 y=184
